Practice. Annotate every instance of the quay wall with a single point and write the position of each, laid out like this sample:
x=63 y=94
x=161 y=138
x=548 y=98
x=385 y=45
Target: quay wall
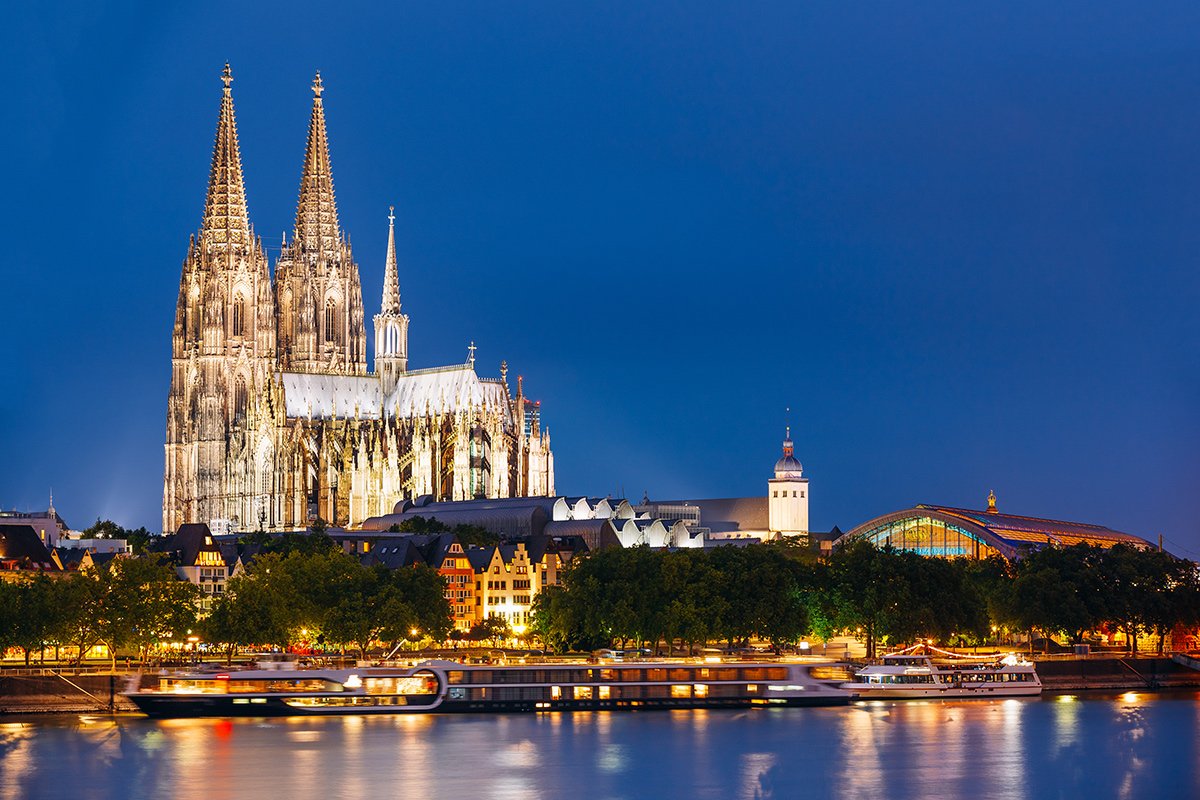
x=1116 y=673
x=53 y=693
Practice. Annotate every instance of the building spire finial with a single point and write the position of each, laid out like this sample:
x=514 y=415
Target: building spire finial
x=991 y=509
x=316 y=213
x=391 y=276
x=471 y=353
x=226 y=222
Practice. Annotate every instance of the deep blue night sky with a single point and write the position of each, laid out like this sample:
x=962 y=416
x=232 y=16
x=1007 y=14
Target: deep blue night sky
x=960 y=243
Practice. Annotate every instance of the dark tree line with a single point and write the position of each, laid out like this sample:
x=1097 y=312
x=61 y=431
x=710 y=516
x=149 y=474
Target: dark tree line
x=129 y=604
x=328 y=598
x=775 y=593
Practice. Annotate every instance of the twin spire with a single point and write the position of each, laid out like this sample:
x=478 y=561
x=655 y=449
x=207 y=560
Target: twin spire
x=316 y=214
x=226 y=222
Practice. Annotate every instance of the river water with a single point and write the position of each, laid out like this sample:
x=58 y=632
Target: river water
x=1121 y=746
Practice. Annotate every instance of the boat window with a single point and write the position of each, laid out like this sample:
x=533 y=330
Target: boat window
x=681 y=690
x=583 y=692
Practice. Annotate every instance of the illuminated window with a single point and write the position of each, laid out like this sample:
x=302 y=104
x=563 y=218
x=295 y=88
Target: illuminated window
x=701 y=690
x=583 y=693
x=681 y=690
x=556 y=693
x=240 y=397
x=331 y=320
x=605 y=692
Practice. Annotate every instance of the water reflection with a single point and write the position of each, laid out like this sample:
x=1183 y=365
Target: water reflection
x=1119 y=746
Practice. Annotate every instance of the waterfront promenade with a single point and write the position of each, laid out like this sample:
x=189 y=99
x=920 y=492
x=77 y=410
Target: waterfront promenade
x=51 y=690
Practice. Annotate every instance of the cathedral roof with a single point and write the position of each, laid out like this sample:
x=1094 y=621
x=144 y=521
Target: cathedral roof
x=328 y=396
x=441 y=390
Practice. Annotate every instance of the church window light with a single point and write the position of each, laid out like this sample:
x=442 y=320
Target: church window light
x=240 y=398
x=239 y=315
x=331 y=320
x=287 y=314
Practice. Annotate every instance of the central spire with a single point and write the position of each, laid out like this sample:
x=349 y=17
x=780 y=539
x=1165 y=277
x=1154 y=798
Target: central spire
x=226 y=221
x=316 y=215
x=391 y=278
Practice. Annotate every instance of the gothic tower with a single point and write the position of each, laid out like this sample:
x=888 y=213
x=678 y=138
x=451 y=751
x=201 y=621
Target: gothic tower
x=391 y=327
x=317 y=287
x=222 y=347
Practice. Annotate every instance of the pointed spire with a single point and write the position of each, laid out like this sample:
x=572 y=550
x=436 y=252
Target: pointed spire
x=226 y=222
x=391 y=279
x=991 y=509
x=316 y=214
x=788 y=448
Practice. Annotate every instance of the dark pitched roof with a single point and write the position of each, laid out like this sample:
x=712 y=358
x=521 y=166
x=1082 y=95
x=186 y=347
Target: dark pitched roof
x=188 y=542
x=23 y=548
x=394 y=553
x=480 y=557
x=70 y=557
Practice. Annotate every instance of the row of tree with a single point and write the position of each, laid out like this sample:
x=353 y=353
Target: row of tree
x=313 y=593
x=330 y=599
x=777 y=593
x=130 y=604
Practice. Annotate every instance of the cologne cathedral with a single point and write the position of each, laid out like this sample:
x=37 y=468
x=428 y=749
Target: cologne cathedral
x=273 y=419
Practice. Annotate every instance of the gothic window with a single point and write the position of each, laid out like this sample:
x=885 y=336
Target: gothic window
x=287 y=314
x=331 y=320
x=239 y=315
x=240 y=398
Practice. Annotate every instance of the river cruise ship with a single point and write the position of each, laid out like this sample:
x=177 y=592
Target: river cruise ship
x=904 y=677
x=447 y=686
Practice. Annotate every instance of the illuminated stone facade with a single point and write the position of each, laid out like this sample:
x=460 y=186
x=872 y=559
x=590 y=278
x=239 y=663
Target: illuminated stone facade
x=273 y=419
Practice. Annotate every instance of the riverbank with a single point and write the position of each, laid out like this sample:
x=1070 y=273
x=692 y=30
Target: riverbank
x=1116 y=674
x=55 y=693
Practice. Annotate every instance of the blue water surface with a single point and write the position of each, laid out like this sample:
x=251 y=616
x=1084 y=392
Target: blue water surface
x=1118 y=746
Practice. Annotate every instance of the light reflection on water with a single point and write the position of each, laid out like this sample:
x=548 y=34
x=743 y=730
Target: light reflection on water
x=1119 y=746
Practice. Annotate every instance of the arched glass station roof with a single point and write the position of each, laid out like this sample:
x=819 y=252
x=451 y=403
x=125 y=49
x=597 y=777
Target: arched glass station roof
x=962 y=533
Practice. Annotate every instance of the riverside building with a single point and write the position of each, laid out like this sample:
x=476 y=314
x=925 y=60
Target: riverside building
x=949 y=532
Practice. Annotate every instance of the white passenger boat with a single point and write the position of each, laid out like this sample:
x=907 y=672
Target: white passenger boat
x=447 y=686
x=905 y=677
